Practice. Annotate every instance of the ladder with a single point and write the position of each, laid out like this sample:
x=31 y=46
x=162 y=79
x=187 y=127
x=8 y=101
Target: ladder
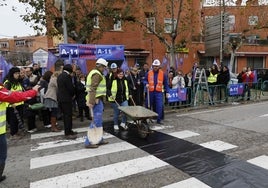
x=201 y=84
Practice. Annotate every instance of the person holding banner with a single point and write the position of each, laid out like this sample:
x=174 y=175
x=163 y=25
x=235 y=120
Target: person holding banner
x=156 y=81
x=248 y=78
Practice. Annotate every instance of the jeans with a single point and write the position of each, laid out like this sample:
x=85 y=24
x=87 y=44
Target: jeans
x=3 y=150
x=97 y=114
x=117 y=112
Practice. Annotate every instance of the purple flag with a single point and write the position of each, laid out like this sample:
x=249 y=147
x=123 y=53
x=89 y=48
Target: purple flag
x=176 y=62
x=51 y=60
x=4 y=67
x=124 y=65
x=69 y=60
x=181 y=61
x=82 y=63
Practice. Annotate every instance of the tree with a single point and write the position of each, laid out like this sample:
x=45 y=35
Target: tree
x=83 y=17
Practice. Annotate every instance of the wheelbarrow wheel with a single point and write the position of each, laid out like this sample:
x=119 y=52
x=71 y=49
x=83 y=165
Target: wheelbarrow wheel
x=143 y=130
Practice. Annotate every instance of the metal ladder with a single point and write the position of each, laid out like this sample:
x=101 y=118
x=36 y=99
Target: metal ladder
x=202 y=83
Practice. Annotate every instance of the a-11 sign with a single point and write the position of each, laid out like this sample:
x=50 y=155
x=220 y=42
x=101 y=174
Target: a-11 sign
x=91 y=51
x=236 y=89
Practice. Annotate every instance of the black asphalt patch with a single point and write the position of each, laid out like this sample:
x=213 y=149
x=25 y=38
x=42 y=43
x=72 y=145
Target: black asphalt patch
x=213 y=168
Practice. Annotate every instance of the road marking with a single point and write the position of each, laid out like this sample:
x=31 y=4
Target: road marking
x=48 y=160
x=80 y=130
x=218 y=145
x=264 y=115
x=188 y=183
x=200 y=112
x=183 y=134
x=261 y=161
x=101 y=174
x=59 y=143
x=156 y=128
x=51 y=134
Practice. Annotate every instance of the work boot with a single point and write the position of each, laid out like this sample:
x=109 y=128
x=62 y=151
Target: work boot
x=2 y=167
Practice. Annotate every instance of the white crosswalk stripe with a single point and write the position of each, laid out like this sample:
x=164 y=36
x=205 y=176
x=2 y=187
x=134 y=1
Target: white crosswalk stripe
x=121 y=168
x=78 y=155
x=102 y=174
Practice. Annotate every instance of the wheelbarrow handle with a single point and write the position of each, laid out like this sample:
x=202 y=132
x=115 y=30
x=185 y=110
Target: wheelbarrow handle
x=148 y=98
x=132 y=100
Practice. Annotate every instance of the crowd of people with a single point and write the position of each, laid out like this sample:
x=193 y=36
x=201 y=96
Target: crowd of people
x=67 y=88
x=143 y=86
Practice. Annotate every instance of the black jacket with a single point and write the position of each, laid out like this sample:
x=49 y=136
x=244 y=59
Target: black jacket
x=223 y=78
x=66 y=89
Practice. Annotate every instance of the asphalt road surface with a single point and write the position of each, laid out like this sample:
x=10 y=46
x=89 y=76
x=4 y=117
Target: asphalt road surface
x=214 y=147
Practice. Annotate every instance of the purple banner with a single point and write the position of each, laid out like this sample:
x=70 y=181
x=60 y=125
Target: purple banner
x=182 y=94
x=236 y=89
x=176 y=95
x=91 y=51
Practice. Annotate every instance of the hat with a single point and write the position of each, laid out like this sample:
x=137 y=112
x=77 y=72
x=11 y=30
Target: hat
x=102 y=61
x=113 y=66
x=68 y=67
x=156 y=62
x=14 y=70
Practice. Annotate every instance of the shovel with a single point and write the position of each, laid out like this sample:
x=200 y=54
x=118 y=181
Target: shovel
x=94 y=133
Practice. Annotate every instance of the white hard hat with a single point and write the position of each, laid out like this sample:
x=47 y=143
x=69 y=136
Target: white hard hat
x=113 y=66
x=102 y=61
x=156 y=62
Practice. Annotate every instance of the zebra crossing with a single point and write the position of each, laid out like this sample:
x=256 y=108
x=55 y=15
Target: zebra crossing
x=121 y=163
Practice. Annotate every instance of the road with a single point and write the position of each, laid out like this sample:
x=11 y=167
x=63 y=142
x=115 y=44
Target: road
x=213 y=147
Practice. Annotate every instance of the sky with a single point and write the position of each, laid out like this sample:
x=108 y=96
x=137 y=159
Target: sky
x=10 y=22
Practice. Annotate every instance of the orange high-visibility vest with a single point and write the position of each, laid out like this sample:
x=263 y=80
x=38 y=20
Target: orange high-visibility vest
x=160 y=80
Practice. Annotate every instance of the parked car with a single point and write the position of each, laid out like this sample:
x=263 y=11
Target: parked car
x=262 y=75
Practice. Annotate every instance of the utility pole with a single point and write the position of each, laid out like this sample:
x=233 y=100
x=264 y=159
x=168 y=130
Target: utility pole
x=222 y=4
x=173 y=37
x=64 y=25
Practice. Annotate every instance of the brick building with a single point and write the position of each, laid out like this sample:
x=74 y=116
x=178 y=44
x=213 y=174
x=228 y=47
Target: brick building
x=245 y=21
x=19 y=50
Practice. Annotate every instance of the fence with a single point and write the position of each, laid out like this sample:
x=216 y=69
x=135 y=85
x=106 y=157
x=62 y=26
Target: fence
x=220 y=94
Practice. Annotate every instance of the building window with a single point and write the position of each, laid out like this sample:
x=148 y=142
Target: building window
x=209 y=3
x=231 y=22
x=255 y=62
x=263 y=2
x=19 y=43
x=96 y=22
x=168 y=25
x=252 y=20
x=4 y=44
x=117 y=22
x=29 y=43
x=150 y=22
